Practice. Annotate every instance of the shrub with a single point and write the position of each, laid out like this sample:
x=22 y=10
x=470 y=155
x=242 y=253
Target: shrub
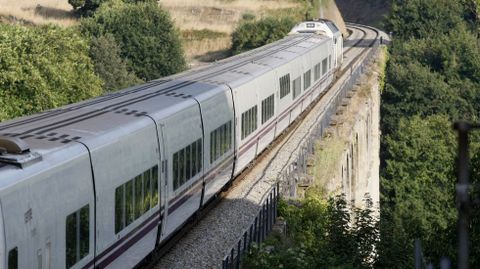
x=254 y=34
x=88 y=7
x=42 y=68
x=146 y=36
x=105 y=54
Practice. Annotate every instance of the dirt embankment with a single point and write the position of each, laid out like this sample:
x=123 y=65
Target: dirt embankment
x=329 y=10
x=369 y=12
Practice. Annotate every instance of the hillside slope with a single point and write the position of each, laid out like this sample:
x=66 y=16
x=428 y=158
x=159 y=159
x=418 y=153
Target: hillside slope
x=329 y=10
x=369 y=12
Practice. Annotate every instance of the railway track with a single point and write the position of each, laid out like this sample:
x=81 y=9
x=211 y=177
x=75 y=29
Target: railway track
x=354 y=54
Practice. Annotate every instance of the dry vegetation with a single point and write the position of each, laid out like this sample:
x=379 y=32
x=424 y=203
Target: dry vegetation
x=38 y=11
x=219 y=16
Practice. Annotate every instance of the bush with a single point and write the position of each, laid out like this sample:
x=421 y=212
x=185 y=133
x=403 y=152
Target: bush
x=321 y=235
x=253 y=34
x=420 y=18
x=105 y=54
x=42 y=68
x=146 y=36
x=88 y=7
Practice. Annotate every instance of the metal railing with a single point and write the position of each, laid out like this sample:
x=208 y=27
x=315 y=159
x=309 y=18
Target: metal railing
x=294 y=172
x=257 y=232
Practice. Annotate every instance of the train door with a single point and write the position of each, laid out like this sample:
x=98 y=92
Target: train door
x=163 y=181
x=3 y=261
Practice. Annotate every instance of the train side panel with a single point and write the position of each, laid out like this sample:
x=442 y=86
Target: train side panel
x=321 y=77
x=267 y=96
x=125 y=165
x=3 y=257
x=49 y=210
x=247 y=122
x=184 y=149
x=219 y=123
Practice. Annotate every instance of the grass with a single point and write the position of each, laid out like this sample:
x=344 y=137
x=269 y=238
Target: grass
x=325 y=163
x=39 y=11
x=217 y=15
x=207 y=25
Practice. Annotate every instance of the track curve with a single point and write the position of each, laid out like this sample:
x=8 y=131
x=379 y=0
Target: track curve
x=203 y=242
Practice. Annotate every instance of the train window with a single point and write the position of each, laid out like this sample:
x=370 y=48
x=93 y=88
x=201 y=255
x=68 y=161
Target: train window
x=229 y=134
x=220 y=141
x=84 y=231
x=39 y=259
x=199 y=155
x=284 y=85
x=330 y=62
x=135 y=197
x=188 y=171
x=13 y=258
x=77 y=236
x=317 y=72
x=146 y=190
x=268 y=108
x=119 y=208
x=212 y=146
x=129 y=211
x=187 y=163
x=154 y=185
x=138 y=196
x=307 y=80
x=175 y=171
x=194 y=158
x=297 y=87
x=181 y=167
x=255 y=118
x=243 y=124
x=249 y=121
x=324 y=66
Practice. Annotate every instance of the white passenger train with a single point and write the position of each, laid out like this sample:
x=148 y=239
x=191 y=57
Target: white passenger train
x=102 y=183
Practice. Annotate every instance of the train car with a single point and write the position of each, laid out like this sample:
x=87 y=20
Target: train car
x=102 y=183
x=327 y=28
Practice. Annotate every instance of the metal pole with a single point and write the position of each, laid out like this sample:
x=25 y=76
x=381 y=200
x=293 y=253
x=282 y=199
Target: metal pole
x=250 y=236
x=255 y=237
x=232 y=252
x=245 y=242
x=418 y=254
x=239 y=255
x=462 y=193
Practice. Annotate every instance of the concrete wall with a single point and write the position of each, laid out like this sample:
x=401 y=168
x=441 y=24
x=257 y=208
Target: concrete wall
x=347 y=160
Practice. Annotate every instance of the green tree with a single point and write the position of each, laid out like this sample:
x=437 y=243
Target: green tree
x=320 y=235
x=418 y=185
x=252 y=34
x=146 y=35
x=42 y=68
x=88 y=7
x=424 y=18
x=105 y=54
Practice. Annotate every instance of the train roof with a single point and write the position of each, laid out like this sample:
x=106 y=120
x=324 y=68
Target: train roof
x=57 y=129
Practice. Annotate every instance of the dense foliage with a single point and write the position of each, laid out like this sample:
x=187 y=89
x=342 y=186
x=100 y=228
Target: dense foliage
x=88 y=7
x=432 y=80
x=252 y=34
x=109 y=65
x=320 y=235
x=145 y=34
x=42 y=68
